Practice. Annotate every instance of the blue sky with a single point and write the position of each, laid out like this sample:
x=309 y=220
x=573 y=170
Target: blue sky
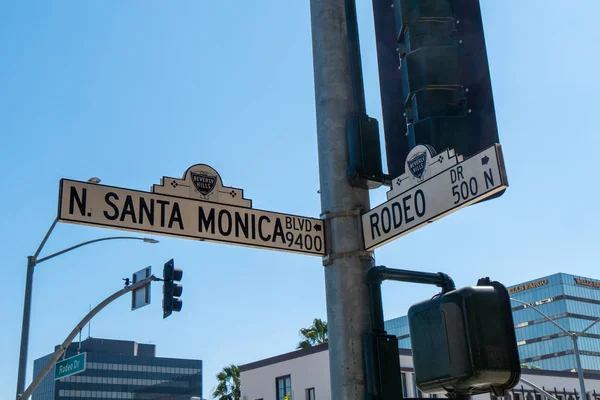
x=133 y=91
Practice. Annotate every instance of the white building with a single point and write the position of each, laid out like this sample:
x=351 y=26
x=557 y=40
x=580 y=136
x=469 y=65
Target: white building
x=304 y=374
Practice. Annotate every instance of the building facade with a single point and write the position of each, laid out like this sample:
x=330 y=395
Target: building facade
x=571 y=301
x=304 y=375
x=117 y=369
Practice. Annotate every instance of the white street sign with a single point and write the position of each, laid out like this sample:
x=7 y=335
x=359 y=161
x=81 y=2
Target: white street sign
x=140 y=297
x=195 y=207
x=432 y=187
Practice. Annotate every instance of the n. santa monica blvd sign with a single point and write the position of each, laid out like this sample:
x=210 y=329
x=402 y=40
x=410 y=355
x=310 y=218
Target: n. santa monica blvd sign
x=433 y=186
x=197 y=206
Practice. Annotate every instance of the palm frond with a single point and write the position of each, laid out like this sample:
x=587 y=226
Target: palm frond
x=228 y=387
x=305 y=344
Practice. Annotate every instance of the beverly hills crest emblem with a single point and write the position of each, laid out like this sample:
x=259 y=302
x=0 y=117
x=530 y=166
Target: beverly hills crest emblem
x=417 y=163
x=203 y=182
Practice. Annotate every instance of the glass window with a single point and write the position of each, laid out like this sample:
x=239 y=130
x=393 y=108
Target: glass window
x=310 y=394
x=404 y=388
x=283 y=387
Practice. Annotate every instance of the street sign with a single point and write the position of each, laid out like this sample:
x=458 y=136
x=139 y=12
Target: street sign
x=140 y=297
x=195 y=207
x=70 y=366
x=433 y=186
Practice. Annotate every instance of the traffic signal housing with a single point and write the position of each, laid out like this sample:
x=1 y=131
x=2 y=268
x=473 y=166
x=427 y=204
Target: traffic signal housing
x=171 y=290
x=464 y=341
x=445 y=78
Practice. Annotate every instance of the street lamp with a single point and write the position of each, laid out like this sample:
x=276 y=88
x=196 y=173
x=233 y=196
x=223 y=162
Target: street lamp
x=32 y=261
x=574 y=337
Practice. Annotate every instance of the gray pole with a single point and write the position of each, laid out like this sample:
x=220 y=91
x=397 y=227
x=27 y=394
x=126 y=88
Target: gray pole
x=347 y=263
x=579 y=370
x=22 y=371
x=65 y=345
x=31 y=262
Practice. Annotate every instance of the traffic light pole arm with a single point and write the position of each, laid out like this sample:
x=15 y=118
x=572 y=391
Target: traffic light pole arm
x=378 y=274
x=592 y=324
x=573 y=335
x=41 y=246
x=545 y=316
x=65 y=345
x=58 y=253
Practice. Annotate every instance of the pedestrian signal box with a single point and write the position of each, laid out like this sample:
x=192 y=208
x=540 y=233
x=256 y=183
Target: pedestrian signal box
x=464 y=342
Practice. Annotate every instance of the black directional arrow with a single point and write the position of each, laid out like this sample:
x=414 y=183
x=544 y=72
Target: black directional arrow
x=484 y=160
x=318 y=228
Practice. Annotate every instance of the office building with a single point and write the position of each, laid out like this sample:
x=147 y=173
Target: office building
x=571 y=301
x=118 y=369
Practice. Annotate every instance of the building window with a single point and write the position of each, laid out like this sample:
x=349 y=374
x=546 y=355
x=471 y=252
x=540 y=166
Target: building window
x=310 y=394
x=404 y=388
x=517 y=396
x=283 y=387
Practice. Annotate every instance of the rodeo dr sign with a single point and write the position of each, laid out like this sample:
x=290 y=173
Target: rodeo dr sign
x=433 y=186
x=197 y=206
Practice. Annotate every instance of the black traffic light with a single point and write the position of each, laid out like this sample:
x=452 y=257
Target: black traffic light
x=463 y=342
x=445 y=81
x=171 y=290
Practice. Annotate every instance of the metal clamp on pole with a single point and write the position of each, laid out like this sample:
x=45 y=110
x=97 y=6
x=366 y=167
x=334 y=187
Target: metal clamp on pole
x=328 y=216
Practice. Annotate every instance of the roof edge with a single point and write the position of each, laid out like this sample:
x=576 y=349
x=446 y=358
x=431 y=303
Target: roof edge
x=284 y=357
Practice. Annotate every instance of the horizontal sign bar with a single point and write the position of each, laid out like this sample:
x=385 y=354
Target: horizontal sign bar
x=119 y=208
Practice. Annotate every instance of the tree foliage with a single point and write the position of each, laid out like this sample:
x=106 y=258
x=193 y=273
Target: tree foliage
x=228 y=386
x=313 y=335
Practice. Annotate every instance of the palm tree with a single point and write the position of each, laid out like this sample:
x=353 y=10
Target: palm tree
x=313 y=335
x=228 y=387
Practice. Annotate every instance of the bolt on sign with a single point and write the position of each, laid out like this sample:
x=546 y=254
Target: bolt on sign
x=433 y=186
x=196 y=207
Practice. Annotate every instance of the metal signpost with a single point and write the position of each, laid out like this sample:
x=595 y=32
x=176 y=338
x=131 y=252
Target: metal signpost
x=70 y=366
x=140 y=297
x=433 y=186
x=197 y=207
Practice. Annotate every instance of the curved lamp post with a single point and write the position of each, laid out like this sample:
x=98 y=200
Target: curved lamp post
x=574 y=336
x=32 y=261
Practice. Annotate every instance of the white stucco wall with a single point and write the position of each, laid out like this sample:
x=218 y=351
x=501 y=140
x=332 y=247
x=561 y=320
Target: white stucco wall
x=312 y=371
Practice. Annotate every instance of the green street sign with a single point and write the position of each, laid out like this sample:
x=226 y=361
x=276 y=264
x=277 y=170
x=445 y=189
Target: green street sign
x=70 y=366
